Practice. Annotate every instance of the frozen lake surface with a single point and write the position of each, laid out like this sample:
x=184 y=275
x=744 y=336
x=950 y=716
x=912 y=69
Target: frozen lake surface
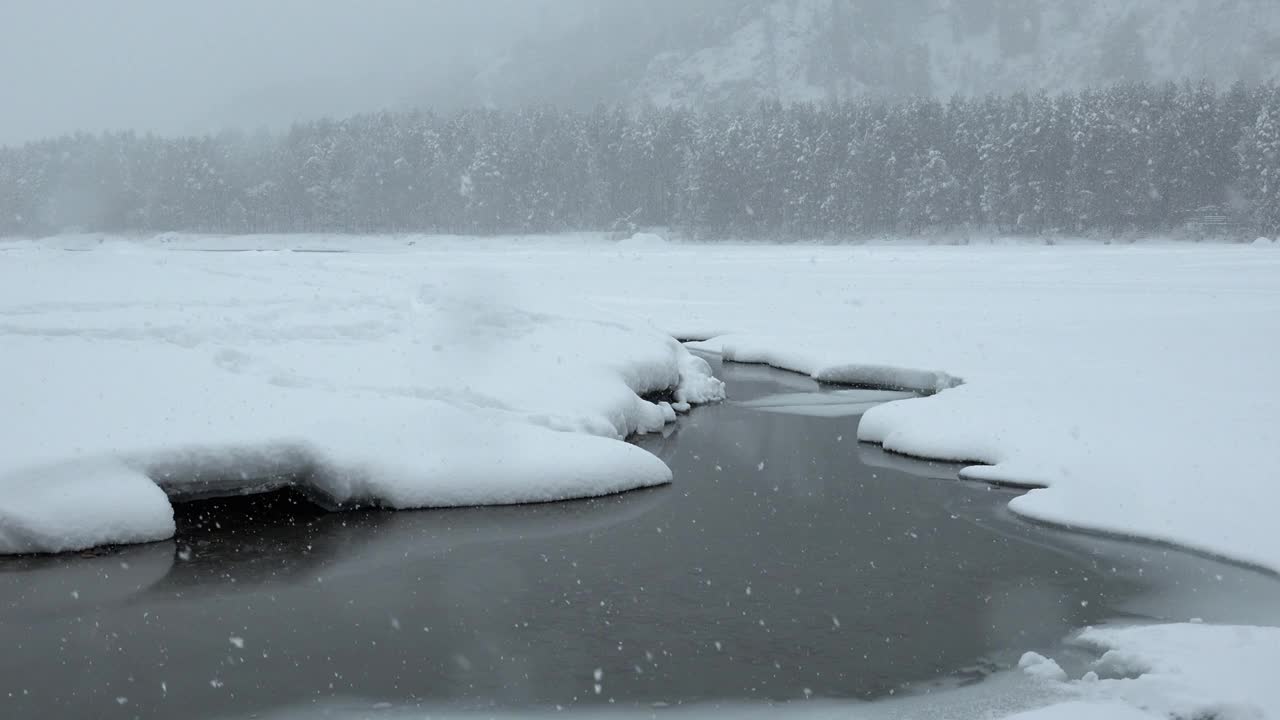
x=786 y=561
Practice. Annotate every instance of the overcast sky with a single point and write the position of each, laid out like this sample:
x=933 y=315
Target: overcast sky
x=180 y=66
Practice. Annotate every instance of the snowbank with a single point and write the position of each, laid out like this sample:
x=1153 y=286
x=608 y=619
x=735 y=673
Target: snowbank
x=1136 y=384
x=803 y=358
x=130 y=378
x=1170 y=671
x=80 y=504
x=1188 y=670
x=1037 y=665
x=1132 y=383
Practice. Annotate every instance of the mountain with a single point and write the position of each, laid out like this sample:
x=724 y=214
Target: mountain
x=676 y=53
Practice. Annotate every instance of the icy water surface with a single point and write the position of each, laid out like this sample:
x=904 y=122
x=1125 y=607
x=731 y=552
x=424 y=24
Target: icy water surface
x=786 y=561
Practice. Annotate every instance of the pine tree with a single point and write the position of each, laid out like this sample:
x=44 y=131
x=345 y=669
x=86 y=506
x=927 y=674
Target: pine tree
x=1129 y=157
x=1260 y=166
x=930 y=194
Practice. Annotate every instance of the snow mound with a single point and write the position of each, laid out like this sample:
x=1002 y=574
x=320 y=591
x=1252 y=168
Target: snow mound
x=697 y=385
x=1189 y=669
x=1263 y=241
x=442 y=459
x=451 y=460
x=799 y=356
x=77 y=505
x=156 y=376
x=446 y=458
x=1180 y=670
x=1037 y=665
x=1082 y=364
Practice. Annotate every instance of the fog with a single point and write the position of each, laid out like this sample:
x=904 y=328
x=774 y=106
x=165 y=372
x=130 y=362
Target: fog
x=200 y=66
x=192 y=67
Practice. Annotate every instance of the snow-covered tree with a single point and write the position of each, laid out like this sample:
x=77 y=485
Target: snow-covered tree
x=931 y=197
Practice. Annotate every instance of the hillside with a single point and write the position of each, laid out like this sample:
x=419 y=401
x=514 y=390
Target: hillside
x=716 y=52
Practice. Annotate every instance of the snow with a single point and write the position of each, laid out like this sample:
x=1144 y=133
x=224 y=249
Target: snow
x=783 y=353
x=1134 y=385
x=769 y=55
x=1190 y=669
x=78 y=504
x=1130 y=382
x=1179 y=670
x=1077 y=367
x=129 y=376
x=778 y=50
x=1037 y=665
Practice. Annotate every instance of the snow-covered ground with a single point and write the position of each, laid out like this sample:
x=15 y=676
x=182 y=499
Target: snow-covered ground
x=1171 y=671
x=407 y=380
x=1137 y=384
x=1134 y=383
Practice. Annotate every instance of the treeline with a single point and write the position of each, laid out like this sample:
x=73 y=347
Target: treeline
x=1128 y=158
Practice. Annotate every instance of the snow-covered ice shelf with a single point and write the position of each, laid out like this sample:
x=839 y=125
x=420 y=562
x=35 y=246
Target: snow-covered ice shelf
x=1136 y=383
x=1133 y=384
x=130 y=376
x=1177 y=670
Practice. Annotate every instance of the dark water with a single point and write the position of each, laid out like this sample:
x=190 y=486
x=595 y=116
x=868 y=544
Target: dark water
x=785 y=561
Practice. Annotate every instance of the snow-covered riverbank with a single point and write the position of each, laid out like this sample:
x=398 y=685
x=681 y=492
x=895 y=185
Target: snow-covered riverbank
x=406 y=381
x=1137 y=384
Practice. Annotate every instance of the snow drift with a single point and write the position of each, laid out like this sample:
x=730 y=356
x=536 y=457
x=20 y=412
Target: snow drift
x=133 y=378
x=1176 y=670
x=1135 y=384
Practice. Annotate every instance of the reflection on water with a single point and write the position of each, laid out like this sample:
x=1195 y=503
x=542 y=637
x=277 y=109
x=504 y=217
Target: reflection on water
x=785 y=561
x=833 y=403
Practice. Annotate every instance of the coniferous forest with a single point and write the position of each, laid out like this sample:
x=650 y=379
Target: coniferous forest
x=1129 y=158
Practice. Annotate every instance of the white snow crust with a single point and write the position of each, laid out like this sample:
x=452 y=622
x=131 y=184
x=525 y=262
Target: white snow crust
x=1184 y=670
x=132 y=373
x=1037 y=665
x=1134 y=385
x=1131 y=383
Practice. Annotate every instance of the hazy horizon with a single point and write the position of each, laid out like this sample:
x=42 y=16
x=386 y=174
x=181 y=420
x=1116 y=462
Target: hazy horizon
x=179 y=68
x=182 y=68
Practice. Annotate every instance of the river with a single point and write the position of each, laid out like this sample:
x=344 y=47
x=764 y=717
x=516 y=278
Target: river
x=786 y=561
